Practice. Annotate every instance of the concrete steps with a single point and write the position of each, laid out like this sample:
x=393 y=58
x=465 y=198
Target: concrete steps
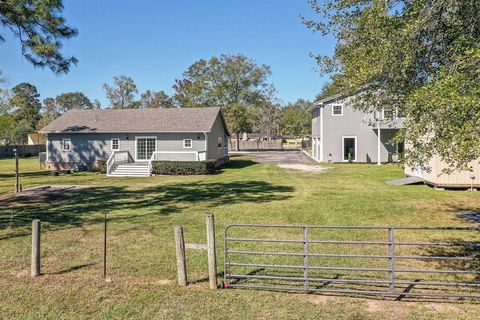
x=130 y=170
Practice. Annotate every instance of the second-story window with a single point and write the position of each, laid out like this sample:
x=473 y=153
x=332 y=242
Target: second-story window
x=337 y=110
x=219 y=142
x=388 y=113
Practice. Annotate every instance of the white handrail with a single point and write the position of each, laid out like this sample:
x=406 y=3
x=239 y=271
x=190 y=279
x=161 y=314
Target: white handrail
x=109 y=165
x=111 y=159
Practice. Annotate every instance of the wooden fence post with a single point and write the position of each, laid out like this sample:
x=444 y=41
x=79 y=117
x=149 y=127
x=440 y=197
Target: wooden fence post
x=36 y=248
x=17 y=183
x=212 y=261
x=180 y=249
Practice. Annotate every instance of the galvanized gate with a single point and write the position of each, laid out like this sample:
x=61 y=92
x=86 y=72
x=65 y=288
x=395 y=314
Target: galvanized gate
x=401 y=261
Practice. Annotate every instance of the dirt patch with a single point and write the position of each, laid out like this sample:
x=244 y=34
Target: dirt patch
x=41 y=194
x=302 y=167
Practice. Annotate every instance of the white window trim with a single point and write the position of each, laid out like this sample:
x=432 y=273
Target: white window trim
x=191 y=144
x=343 y=148
x=111 y=144
x=145 y=137
x=394 y=114
x=69 y=145
x=333 y=108
x=221 y=142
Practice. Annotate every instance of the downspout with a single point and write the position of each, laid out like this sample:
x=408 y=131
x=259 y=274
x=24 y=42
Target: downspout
x=379 y=162
x=321 y=133
x=206 y=144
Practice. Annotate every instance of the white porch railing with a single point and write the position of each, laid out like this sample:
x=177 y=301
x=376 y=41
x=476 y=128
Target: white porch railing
x=174 y=155
x=117 y=157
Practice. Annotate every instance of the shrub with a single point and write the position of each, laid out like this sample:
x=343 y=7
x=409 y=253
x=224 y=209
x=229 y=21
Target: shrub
x=101 y=166
x=183 y=167
x=350 y=160
x=390 y=157
x=368 y=159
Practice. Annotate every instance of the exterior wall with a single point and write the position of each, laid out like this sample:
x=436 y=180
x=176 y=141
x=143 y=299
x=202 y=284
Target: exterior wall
x=456 y=179
x=218 y=131
x=352 y=123
x=90 y=147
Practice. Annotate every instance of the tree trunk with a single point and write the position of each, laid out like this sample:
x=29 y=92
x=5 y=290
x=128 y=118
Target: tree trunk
x=238 y=142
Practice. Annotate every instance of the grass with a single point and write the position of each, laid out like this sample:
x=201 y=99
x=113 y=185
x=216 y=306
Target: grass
x=141 y=261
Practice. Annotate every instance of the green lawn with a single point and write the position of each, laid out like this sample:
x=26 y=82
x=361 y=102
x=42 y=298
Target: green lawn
x=141 y=262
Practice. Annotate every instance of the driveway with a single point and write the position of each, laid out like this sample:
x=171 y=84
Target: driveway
x=278 y=157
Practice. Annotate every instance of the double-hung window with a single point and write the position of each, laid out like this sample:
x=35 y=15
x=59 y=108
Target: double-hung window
x=337 y=110
x=219 y=142
x=66 y=145
x=187 y=143
x=115 y=144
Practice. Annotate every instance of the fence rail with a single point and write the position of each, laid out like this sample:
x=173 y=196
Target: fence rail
x=302 y=246
x=25 y=150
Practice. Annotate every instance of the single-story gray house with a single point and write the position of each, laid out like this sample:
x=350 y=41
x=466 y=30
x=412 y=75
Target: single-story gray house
x=131 y=138
x=341 y=133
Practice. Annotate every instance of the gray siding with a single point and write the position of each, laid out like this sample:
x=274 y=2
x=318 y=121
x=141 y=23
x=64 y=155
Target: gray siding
x=218 y=131
x=90 y=147
x=352 y=123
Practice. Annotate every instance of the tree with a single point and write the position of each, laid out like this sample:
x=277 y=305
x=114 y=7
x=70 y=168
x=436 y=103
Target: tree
x=72 y=100
x=239 y=120
x=122 y=94
x=222 y=81
x=152 y=99
x=25 y=104
x=328 y=89
x=266 y=118
x=296 y=119
x=418 y=56
x=97 y=104
x=227 y=81
x=21 y=130
x=49 y=112
x=39 y=26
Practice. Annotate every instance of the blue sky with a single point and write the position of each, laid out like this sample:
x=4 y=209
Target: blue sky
x=155 y=41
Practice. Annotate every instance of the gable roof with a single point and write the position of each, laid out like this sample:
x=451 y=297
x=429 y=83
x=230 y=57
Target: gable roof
x=136 y=120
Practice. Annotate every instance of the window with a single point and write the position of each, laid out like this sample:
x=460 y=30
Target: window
x=219 y=142
x=400 y=147
x=187 y=143
x=145 y=147
x=388 y=113
x=115 y=144
x=349 y=148
x=337 y=110
x=66 y=144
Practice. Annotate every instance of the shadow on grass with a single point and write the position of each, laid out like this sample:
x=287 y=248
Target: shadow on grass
x=238 y=164
x=87 y=205
x=25 y=174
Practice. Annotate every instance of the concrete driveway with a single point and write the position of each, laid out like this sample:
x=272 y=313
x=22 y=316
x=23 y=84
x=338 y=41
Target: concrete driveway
x=278 y=157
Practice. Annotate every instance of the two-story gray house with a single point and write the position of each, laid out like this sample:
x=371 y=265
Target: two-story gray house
x=130 y=139
x=341 y=133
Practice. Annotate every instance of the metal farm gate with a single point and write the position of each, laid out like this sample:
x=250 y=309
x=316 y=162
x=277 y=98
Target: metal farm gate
x=399 y=261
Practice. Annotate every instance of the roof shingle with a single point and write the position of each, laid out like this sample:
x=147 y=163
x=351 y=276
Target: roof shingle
x=135 y=120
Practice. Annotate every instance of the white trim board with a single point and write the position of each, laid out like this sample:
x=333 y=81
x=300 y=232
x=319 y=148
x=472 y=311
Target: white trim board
x=337 y=105
x=111 y=144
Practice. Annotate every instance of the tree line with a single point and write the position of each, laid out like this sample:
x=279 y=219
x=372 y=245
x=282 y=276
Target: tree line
x=234 y=83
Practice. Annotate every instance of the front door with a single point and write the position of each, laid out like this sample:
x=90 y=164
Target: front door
x=349 y=148
x=145 y=146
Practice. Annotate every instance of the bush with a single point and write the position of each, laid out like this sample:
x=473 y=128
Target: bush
x=390 y=157
x=101 y=166
x=368 y=159
x=183 y=167
x=350 y=160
